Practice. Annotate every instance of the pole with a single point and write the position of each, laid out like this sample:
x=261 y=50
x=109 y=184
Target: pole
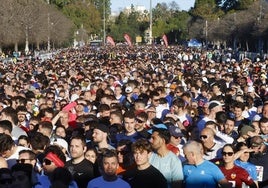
x=206 y=30
x=104 y=24
x=48 y=25
x=151 y=24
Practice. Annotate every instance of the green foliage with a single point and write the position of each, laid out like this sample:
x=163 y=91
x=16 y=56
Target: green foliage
x=161 y=12
x=244 y=4
x=125 y=23
x=60 y=3
x=166 y=19
x=85 y=15
x=229 y=5
x=206 y=9
x=225 y=20
x=169 y=19
x=100 y=5
x=160 y=27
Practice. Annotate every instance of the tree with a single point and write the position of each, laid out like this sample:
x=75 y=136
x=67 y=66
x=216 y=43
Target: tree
x=161 y=12
x=170 y=20
x=100 y=5
x=28 y=14
x=84 y=15
x=161 y=17
x=59 y=28
x=31 y=21
x=206 y=9
x=7 y=21
x=228 y=5
x=61 y=3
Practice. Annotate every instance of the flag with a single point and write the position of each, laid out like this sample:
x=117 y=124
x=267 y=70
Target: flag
x=165 y=40
x=110 y=40
x=128 y=39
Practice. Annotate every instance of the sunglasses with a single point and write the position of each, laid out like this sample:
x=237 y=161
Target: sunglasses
x=47 y=162
x=22 y=160
x=123 y=152
x=156 y=100
x=203 y=137
x=227 y=153
x=139 y=121
x=176 y=137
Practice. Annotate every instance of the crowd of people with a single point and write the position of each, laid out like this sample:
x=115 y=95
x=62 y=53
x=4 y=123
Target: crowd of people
x=146 y=116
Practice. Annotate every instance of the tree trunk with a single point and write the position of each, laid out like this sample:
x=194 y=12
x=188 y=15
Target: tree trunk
x=16 y=48
x=38 y=45
x=26 y=40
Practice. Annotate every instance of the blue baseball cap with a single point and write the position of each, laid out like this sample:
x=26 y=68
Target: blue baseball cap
x=157 y=126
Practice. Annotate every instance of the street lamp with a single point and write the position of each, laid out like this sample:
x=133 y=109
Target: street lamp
x=104 y=20
x=48 y=27
x=151 y=24
x=206 y=33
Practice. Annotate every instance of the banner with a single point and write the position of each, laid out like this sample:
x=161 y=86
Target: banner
x=165 y=40
x=128 y=39
x=110 y=40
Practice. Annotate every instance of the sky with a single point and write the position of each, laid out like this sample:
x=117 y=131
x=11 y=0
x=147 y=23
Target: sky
x=118 y=5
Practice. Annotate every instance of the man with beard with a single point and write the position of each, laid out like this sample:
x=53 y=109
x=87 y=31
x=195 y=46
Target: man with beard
x=229 y=128
x=164 y=160
x=109 y=165
x=22 y=118
x=81 y=169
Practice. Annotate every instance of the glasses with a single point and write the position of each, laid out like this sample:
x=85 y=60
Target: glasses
x=227 y=153
x=47 y=162
x=139 y=121
x=177 y=137
x=123 y=152
x=156 y=100
x=22 y=160
x=203 y=137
